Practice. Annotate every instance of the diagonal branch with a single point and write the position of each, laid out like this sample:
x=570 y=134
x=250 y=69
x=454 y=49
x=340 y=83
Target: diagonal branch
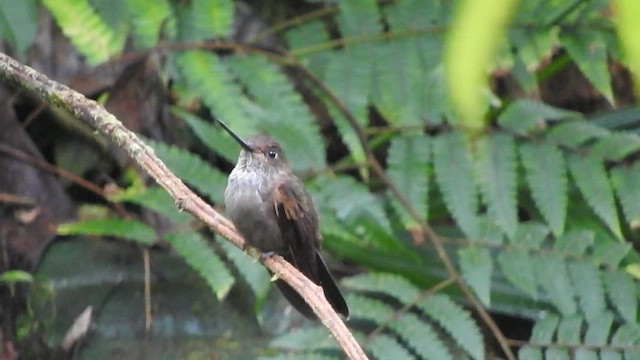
x=95 y=115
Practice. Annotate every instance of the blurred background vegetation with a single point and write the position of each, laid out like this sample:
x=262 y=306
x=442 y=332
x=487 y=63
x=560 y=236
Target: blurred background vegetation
x=474 y=164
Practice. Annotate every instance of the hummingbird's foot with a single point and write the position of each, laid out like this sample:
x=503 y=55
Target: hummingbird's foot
x=266 y=255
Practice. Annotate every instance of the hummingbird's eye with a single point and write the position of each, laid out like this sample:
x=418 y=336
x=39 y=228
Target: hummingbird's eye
x=273 y=154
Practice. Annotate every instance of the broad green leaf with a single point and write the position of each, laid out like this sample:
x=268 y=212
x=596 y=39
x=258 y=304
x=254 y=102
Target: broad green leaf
x=524 y=116
x=19 y=24
x=591 y=178
x=477 y=267
x=196 y=252
x=192 y=169
x=307 y=339
x=386 y=347
x=476 y=32
x=91 y=36
x=517 y=267
x=285 y=116
x=547 y=178
x=616 y=146
x=15 y=276
x=408 y=170
x=454 y=174
x=589 y=51
x=569 y=329
x=544 y=329
x=598 y=329
x=628 y=13
x=392 y=285
x=126 y=229
x=585 y=277
x=625 y=181
x=420 y=336
x=457 y=323
x=623 y=293
x=553 y=277
x=575 y=133
x=496 y=170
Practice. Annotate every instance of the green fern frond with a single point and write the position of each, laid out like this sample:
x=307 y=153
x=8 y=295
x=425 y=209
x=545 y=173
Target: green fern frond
x=496 y=164
x=251 y=271
x=547 y=178
x=588 y=49
x=569 y=329
x=85 y=29
x=392 y=285
x=308 y=34
x=362 y=205
x=212 y=136
x=156 y=199
x=206 y=19
x=214 y=83
x=589 y=288
x=195 y=251
x=476 y=268
x=616 y=146
x=387 y=347
x=454 y=175
x=408 y=163
x=623 y=293
x=192 y=169
x=524 y=116
x=575 y=133
x=456 y=322
x=544 y=329
x=575 y=242
x=125 y=229
x=554 y=279
x=286 y=116
x=598 y=329
x=149 y=19
x=517 y=267
x=591 y=177
x=367 y=308
x=530 y=234
x=625 y=181
x=420 y=337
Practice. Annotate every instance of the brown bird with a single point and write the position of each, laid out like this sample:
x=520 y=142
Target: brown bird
x=271 y=208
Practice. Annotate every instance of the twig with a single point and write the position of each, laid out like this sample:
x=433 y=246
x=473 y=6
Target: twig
x=95 y=115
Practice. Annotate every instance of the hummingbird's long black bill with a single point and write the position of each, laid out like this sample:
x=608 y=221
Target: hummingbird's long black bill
x=237 y=138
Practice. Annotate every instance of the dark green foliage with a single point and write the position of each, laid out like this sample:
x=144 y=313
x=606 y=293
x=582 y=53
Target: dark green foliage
x=537 y=212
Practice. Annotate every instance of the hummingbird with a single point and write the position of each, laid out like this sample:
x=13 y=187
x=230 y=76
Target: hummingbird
x=273 y=211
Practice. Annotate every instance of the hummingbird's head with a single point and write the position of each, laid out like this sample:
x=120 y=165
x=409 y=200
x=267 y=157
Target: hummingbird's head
x=259 y=153
x=262 y=154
